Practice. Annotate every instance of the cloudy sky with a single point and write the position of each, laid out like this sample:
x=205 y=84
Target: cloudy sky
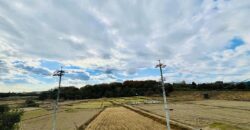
x=99 y=41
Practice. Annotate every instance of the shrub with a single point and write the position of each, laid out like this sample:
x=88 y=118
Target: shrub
x=30 y=103
x=9 y=118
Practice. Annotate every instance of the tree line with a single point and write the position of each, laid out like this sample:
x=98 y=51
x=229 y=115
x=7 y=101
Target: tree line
x=218 y=85
x=137 y=88
x=116 y=89
x=13 y=94
x=130 y=88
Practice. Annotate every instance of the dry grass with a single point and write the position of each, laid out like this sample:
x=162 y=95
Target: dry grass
x=206 y=112
x=189 y=108
x=217 y=95
x=120 y=118
x=28 y=114
x=71 y=115
x=66 y=120
x=90 y=105
x=130 y=100
x=221 y=126
x=232 y=95
x=242 y=105
x=12 y=102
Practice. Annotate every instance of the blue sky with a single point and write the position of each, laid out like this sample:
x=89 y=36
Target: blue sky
x=235 y=42
x=114 y=41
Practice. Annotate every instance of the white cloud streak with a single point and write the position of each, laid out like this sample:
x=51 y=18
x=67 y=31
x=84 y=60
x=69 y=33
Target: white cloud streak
x=129 y=35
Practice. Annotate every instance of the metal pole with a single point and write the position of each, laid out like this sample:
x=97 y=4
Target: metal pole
x=164 y=97
x=57 y=100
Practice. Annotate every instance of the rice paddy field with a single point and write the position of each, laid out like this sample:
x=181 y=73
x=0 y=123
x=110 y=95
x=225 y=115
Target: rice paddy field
x=66 y=120
x=201 y=114
x=71 y=115
x=220 y=112
x=120 y=118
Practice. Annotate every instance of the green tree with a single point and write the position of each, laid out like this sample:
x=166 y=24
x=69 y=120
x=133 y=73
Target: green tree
x=30 y=103
x=9 y=118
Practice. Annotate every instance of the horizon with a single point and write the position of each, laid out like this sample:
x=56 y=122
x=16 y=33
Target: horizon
x=115 y=41
x=62 y=86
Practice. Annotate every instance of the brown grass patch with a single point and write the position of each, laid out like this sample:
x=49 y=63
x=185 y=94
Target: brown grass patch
x=120 y=118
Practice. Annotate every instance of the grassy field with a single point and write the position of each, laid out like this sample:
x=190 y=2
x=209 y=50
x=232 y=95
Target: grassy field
x=90 y=105
x=130 y=100
x=201 y=114
x=221 y=126
x=29 y=114
x=120 y=118
x=12 y=102
x=71 y=115
x=224 y=110
x=216 y=95
x=66 y=120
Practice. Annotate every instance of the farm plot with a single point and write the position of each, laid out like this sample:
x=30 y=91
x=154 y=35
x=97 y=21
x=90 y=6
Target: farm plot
x=208 y=112
x=242 y=105
x=71 y=114
x=120 y=118
x=30 y=113
x=89 y=105
x=66 y=119
x=131 y=100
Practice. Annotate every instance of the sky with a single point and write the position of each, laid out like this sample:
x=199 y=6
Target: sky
x=102 y=41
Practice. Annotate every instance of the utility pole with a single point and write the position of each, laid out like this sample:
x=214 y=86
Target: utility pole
x=160 y=65
x=58 y=73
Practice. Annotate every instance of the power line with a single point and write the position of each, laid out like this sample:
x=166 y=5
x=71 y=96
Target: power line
x=160 y=65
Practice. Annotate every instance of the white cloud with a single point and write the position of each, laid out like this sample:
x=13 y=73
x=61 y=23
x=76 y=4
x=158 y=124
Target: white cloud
x=128 y=35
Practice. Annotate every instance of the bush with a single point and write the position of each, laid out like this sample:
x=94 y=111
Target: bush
x=30 y=103
x=9 y=118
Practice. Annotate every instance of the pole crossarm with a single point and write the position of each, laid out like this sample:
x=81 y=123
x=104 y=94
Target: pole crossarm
x=58 y=73
x=160 y=65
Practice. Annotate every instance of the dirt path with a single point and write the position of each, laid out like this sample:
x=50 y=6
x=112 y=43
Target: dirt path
x=120 y=118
